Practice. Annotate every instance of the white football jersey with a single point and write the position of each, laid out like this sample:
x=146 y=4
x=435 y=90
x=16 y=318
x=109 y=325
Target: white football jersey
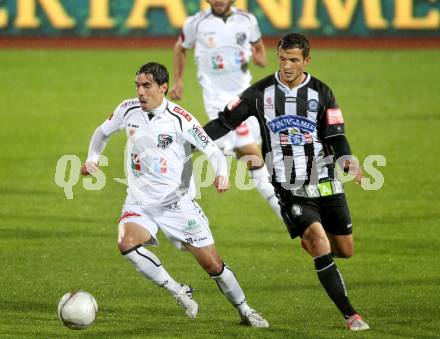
x=222 y=49
x=158 y=164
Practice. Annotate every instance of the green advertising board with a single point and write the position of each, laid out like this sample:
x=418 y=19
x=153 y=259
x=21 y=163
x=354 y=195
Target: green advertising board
x=366 y=18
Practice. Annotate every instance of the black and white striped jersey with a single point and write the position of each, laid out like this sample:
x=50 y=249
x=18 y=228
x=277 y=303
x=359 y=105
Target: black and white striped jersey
x=295 y=124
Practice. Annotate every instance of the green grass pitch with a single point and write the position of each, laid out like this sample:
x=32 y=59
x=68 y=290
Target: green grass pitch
x=50 y=103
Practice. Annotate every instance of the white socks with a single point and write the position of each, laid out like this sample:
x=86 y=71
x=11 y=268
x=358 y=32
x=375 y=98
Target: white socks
x=228 y=284
x=260 y=177
x=147 y=264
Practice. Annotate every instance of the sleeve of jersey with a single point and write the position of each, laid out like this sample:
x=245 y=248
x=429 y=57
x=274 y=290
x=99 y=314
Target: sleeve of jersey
x=331 y=122
x=114 y=123
x=255 y=30
x=194 y=133
x=97 y=145
x=188 y=35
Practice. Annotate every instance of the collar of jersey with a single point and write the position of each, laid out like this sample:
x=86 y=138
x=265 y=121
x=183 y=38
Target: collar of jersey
x=159 y=109
x=288 y=89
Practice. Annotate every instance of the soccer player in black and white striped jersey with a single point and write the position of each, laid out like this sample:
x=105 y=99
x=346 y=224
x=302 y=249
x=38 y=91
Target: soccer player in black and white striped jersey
x=302 y=128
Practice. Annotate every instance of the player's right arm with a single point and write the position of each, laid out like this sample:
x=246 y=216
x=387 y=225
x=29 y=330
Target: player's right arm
x=179 y=60
x=237 y=111
x=185 y=41
x=100 y=137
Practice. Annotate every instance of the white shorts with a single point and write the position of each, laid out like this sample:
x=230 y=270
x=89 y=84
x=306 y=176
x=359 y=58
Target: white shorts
x=245 y=134
x=181 y=222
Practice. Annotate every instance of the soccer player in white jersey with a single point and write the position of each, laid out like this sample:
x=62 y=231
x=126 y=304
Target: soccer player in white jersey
x=225 y=40
x=159 y=134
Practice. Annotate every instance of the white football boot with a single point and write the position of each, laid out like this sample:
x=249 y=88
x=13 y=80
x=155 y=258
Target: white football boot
x=355 y=323
x=253 y=319
x=184 y=299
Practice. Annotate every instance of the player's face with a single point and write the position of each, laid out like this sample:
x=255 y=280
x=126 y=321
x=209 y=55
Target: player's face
x=292 y=64
x=221 y=7
x=149 y=93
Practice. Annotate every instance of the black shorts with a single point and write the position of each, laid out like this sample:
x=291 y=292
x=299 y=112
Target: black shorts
x=300 y=212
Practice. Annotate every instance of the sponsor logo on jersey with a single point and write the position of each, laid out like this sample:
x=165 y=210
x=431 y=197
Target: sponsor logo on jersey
x=182 y=112
x=133 y=125
x=135 y=164
x=240 y=61
x=240 y=38
x=217 y=62
x=334 y=116
x=291 y=99
x=199 y=136
x=162 y=165
x=296 y=139
x=156 y=166
x=130 y=103
x=284 y=122
x=164 y=140
x=312 y=105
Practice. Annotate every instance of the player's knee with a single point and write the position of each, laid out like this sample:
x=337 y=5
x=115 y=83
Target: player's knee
x=214 y=267
x=128 y=242
x=131 y=235
x=343 y=249
x=344 y=253
x=317 y=245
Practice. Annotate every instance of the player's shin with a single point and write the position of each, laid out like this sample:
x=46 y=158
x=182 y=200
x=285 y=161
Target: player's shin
x=332 y=280
x=149 y=265
x=229 y=286
x=260 y=176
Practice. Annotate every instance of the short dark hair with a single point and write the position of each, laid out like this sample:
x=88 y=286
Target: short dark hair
x=158 y=71
x=295 y=40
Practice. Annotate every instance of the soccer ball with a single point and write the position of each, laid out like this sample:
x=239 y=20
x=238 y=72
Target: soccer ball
x=77 y=310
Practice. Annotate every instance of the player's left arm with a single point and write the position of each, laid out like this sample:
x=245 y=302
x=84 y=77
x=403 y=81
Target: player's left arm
x=332 y=131
x=258 y=49
x=259 y=53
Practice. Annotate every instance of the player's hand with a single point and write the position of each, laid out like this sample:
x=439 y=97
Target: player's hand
x=353 y=168
x=88 y=168
x=176 y=91
x=221 y=183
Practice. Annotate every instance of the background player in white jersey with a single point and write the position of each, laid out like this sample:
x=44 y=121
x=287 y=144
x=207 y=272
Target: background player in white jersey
x=159 y=134
x=225 y=40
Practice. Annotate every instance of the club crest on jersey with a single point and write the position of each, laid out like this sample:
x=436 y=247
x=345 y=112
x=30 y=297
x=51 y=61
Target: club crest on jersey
x=268 y=103
x=164 y=140
x=240 y=37
x=284 y=122
x=312 y=105
x=182 y=112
